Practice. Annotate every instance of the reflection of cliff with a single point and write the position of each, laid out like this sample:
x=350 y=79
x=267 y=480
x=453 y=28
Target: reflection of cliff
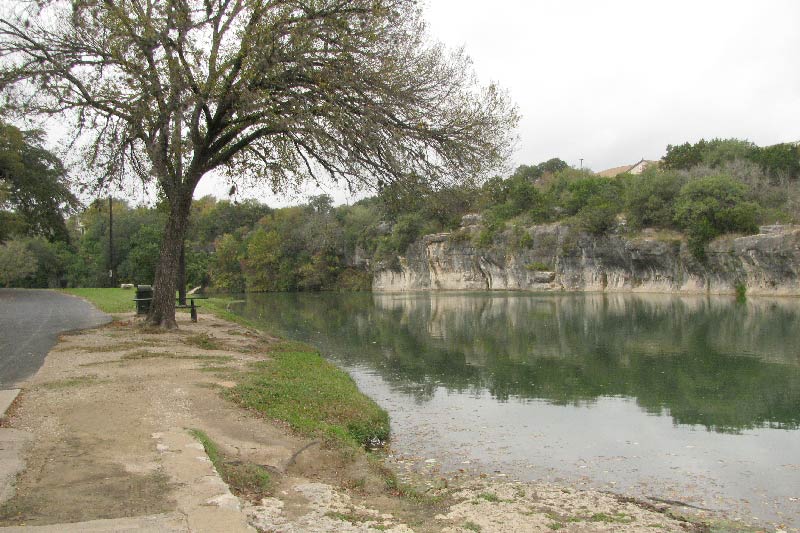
x=767 y=263
x=707 y=361
x=562 y=325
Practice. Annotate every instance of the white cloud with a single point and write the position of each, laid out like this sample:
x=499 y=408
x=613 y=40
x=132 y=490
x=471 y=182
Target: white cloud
x=614 y=81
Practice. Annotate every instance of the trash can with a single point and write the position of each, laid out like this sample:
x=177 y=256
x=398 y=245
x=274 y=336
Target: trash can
x=144 y=296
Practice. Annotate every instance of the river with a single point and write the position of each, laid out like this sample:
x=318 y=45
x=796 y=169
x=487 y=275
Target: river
x=693 y=399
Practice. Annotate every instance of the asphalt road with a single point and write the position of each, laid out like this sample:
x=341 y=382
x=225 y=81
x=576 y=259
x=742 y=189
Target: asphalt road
x=30 y=323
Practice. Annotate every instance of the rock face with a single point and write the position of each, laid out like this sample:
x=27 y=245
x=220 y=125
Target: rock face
x=555 y=257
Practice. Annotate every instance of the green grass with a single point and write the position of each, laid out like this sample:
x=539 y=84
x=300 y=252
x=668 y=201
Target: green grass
x=111 y=300
x=244 y=479
x=472 y=526
x=218 y=306
x=108 y=300
x=349 y=517
x=147 y=354
x=70 y=382
x=615 y=518
x=203 y=341
x=297 y=385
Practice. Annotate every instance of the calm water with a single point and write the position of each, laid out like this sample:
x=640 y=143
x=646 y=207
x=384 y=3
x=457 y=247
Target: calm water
x=689 y=399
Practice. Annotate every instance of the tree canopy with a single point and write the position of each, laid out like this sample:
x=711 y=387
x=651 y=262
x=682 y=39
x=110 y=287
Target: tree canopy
x=34 y=192
x=267 y=91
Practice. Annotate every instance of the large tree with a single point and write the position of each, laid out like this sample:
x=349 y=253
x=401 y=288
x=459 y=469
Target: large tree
x=268 y=91
x=34 y=190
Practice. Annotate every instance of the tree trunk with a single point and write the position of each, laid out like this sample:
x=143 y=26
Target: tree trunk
x=162 y=308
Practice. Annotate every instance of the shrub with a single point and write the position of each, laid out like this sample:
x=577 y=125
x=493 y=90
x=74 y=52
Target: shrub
x=710 y=206
x=650 y=199
x=538 y=266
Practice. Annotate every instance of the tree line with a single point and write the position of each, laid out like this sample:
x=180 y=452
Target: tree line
x=726 y=186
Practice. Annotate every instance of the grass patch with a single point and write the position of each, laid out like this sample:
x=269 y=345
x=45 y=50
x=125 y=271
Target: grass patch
x=69 y=382
x=108 y=300
x=143 y=354
x=349 y=517
x=121 y=347
x=218 y=368
x=219 y=308
x=203 y=341
x=245 y=479
x=147 y=354
x=538 y=266
x=616 y=518
x=404 y=490
x=472 y=526
x=489 y=497
x=297 y=385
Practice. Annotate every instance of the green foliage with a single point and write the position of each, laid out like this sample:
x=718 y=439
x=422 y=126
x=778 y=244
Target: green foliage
x=226 y=267
x=594 y=201
x=538 y=266
x=534 y=172
x=711 y=153
x=139 y=265
x=34 y=190
x=137 y=240
x=779 y=162
x=524 y=240
x=313 y=396
x=16 y=262
x=51 y=260
x=198 y=262
x=650 y=198
x=211 y=219
x=710 y=206
x=741 y=292
x=319 y=247
x=263 y=260
x=296 y=248
x=493 y=223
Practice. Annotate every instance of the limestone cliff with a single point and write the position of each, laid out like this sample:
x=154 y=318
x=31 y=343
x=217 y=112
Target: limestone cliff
x=555 y=257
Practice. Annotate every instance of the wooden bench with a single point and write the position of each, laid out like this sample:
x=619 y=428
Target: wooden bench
x=191 y=307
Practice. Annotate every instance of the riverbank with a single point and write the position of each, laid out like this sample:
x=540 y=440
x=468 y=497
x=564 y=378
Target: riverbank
x=138 y=427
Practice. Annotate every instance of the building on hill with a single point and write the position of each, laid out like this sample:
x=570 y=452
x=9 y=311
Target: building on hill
x=636 y=168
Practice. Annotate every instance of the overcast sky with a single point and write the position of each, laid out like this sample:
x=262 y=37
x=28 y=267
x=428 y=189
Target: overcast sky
x=616 y=81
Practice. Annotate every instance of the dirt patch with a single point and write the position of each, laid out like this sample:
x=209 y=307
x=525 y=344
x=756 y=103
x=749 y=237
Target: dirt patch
x=111 y=412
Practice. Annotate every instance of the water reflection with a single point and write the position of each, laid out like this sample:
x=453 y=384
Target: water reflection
x=702 y=361
x=691 y=399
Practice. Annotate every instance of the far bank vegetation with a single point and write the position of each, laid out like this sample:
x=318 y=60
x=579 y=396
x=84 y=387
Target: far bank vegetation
x=697 y=191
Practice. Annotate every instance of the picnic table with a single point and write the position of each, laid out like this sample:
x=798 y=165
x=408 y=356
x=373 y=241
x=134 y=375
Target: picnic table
x=144 y=297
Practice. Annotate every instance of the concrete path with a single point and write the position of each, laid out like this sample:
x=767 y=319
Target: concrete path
x=30 y=323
